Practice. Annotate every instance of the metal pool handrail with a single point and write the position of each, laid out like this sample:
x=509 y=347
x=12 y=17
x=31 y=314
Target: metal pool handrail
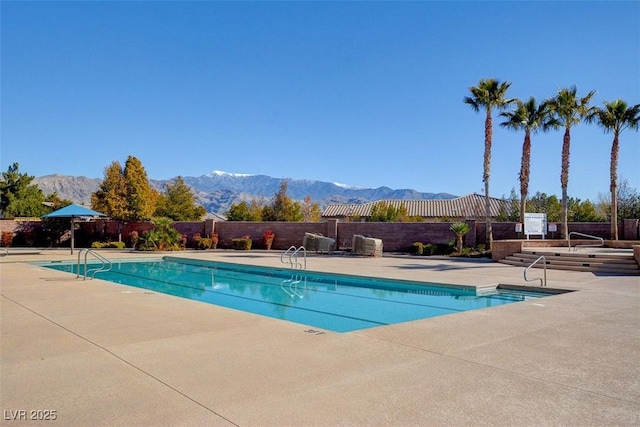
x=542 y=283
x=584 y=235
x=106 y=263
x=288 y=253
x=292 y=253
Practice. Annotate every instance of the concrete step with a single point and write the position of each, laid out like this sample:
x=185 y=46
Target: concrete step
x=571 y=255
x=579 y=258
x=612 y=264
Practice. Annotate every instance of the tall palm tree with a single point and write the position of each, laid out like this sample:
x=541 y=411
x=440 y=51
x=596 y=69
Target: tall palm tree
x=488 y=95
x=615 y=117
x=569 y=110
x=528 y=117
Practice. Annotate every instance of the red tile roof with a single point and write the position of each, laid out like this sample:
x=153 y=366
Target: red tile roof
x=469 y=206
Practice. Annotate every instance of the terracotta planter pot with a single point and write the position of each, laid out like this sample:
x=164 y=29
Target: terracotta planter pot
x=268 y=243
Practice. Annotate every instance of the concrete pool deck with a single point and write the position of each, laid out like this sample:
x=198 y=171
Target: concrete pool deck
x=99 y=353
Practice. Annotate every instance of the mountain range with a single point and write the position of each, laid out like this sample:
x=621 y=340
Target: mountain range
x=218 y=190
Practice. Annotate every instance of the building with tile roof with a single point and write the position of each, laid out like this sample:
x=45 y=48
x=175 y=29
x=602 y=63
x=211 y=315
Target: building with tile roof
x=214 y=216
x=470 y=206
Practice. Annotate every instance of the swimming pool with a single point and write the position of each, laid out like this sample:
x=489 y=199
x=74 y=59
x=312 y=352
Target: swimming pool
x=335 y=302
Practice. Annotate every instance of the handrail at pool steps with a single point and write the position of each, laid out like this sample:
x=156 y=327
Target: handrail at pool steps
x=544 y=265
x=106 y=263
x=584 y=235
x=292 y=254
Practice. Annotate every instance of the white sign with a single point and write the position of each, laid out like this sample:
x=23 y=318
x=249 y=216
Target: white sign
x=535 y=223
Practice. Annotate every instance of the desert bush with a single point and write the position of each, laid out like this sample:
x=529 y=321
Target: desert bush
x=417 y=248
x=202 y=243
x=444 y=248
x=241 y=243
x=108 y=245
x=429 y=249
x=466 y=251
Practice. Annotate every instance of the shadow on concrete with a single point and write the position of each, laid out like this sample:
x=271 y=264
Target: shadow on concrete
x=434 y=267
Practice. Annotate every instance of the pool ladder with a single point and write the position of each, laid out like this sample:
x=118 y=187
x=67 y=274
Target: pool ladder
x=106 y=264
x=292 y=256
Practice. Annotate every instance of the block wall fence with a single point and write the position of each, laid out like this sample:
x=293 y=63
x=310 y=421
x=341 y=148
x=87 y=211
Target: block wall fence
x=396 y=236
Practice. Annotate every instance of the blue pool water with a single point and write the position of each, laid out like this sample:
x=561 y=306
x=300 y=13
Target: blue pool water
x=335 y=302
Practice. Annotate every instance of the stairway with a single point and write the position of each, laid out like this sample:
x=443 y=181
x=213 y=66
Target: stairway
x=576 y=261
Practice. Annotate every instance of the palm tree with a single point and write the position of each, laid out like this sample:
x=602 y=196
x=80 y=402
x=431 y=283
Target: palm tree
x=460 y=229
x=615 y=117
x=488 y=95
x=569 y=110
x=530 y=118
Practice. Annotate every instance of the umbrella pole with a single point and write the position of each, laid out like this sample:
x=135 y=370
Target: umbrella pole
x=72 y=231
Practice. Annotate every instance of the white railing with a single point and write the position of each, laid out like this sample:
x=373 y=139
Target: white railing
x=287 y=254
x=106 y=264
x=291 y=255
x=585 y=235
x=542 y=282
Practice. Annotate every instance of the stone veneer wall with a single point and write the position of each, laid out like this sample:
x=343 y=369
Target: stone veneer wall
x=504 y=248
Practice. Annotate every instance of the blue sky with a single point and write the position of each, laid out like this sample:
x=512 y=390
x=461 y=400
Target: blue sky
x=362 y=93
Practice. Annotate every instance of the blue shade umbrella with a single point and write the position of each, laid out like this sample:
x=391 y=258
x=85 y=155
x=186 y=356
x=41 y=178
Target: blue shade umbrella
x=73 y=211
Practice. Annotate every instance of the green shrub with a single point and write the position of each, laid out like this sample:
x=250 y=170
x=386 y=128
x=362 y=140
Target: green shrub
x=472 y=253
x=443 y=249
x=429 y=249
x=202 y=243
x=241 y=243
x=417 y=248
x=108 y=245
x=466 y=251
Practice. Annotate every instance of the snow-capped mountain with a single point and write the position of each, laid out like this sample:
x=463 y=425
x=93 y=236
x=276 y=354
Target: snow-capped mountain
x=218 y=190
